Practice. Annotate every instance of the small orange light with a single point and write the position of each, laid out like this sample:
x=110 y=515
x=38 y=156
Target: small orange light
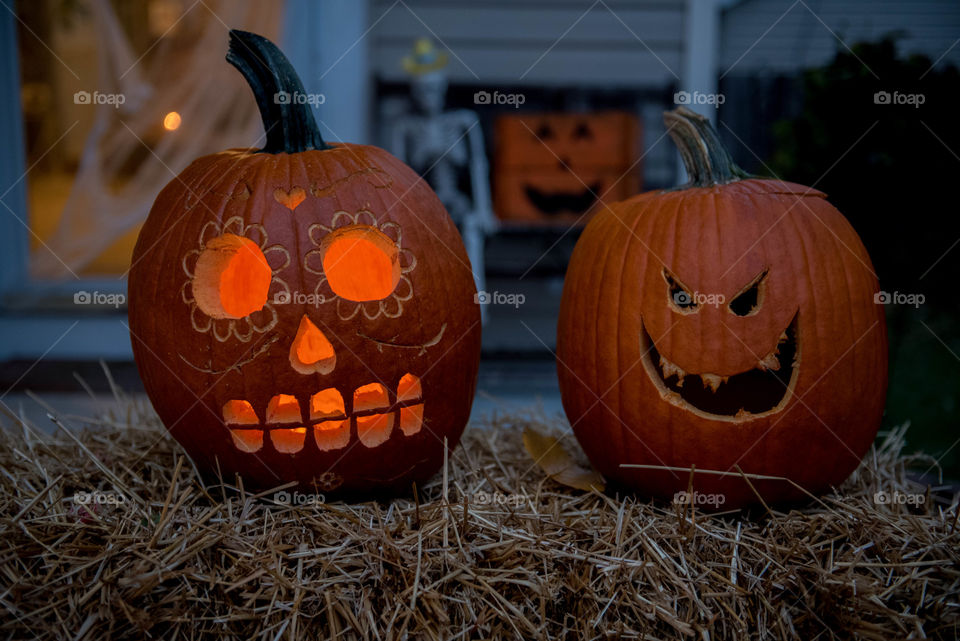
x=171 y=122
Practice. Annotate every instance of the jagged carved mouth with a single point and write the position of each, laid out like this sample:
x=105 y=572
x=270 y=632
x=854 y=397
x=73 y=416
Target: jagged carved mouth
x=326 y=420
x=563 y=201
x=760 y=391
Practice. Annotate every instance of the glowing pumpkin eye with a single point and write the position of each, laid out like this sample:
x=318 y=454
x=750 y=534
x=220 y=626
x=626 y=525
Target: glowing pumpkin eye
x=360 y=263
x=232 y=277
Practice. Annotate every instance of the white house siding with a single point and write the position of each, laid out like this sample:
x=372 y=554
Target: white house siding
x=501 y=41
x=782 y=36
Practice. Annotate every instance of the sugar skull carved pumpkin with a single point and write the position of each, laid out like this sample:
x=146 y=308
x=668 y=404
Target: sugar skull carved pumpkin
x=728 y=326
x=304 y=312
x=551 y=168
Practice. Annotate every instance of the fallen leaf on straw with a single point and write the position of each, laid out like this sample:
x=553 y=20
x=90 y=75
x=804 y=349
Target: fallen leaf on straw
x=553 y=459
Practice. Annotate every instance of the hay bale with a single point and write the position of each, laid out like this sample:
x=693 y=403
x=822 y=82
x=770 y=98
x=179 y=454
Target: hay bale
x=490 y=548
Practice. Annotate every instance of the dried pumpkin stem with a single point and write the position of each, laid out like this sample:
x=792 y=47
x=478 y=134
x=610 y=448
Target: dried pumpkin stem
x=705 y=158
x=287 y=118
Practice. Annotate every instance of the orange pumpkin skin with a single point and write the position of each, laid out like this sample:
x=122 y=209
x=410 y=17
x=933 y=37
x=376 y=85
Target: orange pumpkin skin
x=618 y=318
x=289 y=205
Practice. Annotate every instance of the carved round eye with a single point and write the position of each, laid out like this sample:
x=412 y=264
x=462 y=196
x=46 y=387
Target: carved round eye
x=232 y=277
x=680 y=297
x=361 y=263
x=748 y=301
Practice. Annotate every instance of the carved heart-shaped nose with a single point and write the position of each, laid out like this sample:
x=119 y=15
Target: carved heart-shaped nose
x=311 y=351
x=290 y=199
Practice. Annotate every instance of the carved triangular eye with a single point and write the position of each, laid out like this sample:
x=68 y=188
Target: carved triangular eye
x=582 y=131
x=680 y=297
x=544 y=131
x=748 y=301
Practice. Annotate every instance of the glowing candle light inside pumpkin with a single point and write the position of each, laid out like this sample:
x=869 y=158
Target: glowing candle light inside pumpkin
x=171 y=122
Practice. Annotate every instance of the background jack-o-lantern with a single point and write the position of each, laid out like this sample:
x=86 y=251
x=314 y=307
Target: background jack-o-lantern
x=553 y=168
x=730 y=326
x=304 y=312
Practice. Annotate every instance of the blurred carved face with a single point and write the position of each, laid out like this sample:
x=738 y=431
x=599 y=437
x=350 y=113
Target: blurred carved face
x=559 y=167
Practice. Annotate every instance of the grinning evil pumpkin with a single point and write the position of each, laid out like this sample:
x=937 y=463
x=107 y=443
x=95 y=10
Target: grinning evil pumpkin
x=727 y=326
x=551 y=168
x=304 y=312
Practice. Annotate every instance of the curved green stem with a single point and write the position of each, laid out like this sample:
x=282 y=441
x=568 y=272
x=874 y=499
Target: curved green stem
x=287 y=118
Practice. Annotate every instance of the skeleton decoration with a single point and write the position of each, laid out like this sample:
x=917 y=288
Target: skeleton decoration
x=445 y=145
x=304 y=312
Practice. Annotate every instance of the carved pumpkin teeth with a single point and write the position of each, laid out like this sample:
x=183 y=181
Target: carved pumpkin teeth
x=247 y=440
x=411 y=419
x=288 y=440
x=239 y=413
x=735 y=397
x=374 y=418
x=283 y=408
x=409 y=388
x=770 y=361
x=374 y=429
x=373 y=396
x=327 y=403
x=332 y=435
x=670 y=369
x=712 y=381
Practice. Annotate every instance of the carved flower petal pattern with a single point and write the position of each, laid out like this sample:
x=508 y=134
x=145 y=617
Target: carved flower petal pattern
x=392 y=305
x=261 y=321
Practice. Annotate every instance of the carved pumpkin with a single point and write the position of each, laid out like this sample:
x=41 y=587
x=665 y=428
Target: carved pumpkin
x=728 y=325
x=304 y=312
x=551 y=168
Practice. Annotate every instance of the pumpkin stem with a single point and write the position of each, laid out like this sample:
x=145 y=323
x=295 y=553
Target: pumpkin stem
x=705 y=158
x=287 y=118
